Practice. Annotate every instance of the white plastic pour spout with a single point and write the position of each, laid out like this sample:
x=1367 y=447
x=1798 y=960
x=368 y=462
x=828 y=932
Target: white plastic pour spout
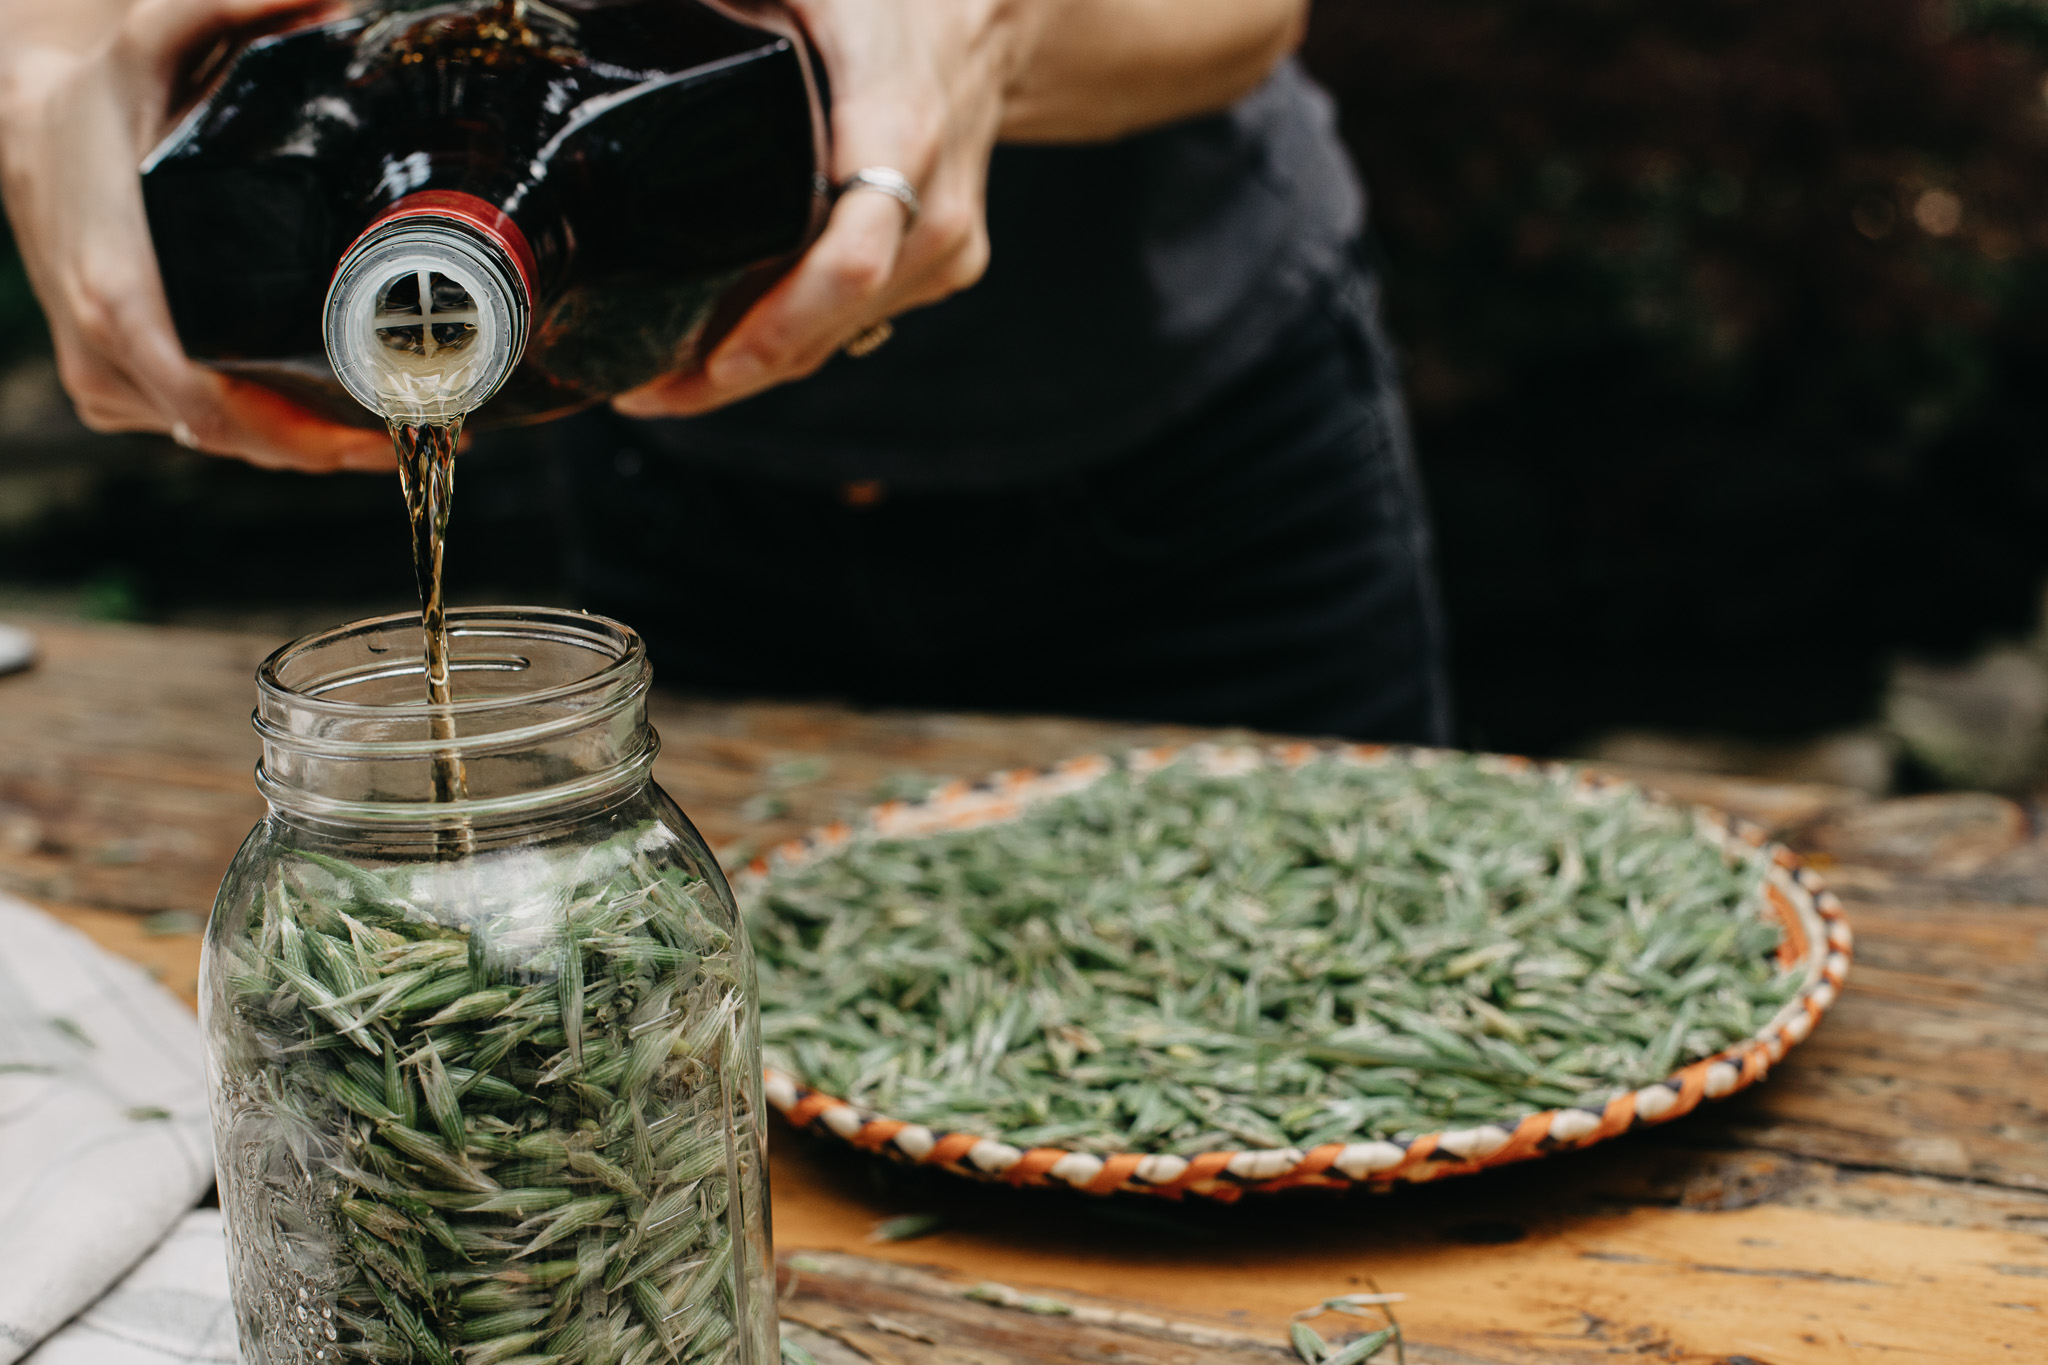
x=427 y=313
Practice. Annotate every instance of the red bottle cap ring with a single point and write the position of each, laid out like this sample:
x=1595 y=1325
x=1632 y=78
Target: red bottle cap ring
x=485 y=218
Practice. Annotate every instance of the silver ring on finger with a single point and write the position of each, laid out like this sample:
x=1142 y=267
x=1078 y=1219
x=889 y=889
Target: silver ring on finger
x=892 y=182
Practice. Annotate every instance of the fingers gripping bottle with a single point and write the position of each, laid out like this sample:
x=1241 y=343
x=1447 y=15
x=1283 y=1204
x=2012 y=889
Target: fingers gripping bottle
x=496 y=204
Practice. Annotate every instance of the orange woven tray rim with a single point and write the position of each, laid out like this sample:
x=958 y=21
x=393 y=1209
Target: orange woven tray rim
x=1817 y=942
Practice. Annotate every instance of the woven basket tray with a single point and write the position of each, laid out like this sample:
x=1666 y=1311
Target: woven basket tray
x=1815 y=944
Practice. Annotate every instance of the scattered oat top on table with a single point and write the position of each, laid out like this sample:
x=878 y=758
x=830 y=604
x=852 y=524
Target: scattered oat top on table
x=1226 y=951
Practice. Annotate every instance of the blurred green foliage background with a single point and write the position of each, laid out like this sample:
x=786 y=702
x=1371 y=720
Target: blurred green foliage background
x=1726 y=327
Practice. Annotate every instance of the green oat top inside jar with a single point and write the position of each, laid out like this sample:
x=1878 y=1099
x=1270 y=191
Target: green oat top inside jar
x=486 y=1072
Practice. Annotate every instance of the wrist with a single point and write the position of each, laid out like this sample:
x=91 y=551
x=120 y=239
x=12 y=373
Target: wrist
x=29 y=72
x=1025 y=24
x=984 y=45
x=66 y=27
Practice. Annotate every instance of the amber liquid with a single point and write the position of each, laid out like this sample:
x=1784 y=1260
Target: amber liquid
x=426 y=472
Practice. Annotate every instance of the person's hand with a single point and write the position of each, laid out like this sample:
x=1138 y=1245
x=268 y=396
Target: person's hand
x=917 y=86
x=76 y=119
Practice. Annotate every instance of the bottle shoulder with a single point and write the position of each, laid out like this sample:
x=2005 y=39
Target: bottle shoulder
x=660 y=157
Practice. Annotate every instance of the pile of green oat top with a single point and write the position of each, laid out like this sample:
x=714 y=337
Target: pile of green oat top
x=1187 y=959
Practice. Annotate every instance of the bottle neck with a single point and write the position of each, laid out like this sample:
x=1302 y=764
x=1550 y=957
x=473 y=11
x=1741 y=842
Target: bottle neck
x=548 y=717
x=427 y=314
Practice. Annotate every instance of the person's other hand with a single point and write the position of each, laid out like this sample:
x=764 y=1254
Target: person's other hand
x=917 y=86
x=76 y=119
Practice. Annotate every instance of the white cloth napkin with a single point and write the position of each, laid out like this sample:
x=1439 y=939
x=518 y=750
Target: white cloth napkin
x=104 y=1141
x=174 y=1307
x=17 y=649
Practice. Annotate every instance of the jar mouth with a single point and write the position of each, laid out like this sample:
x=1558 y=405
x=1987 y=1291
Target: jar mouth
x=306 y=674
x=549 y=707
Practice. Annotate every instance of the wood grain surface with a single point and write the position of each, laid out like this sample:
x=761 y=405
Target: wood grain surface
x=1883 y=1197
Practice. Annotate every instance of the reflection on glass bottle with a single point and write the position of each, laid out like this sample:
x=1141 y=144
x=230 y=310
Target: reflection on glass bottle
x=494 y=201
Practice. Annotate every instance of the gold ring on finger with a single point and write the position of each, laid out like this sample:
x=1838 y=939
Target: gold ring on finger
x=869 y=339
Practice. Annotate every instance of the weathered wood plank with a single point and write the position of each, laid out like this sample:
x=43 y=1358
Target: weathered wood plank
x=1884 y=1195
x=1935 y=1060
x=1564 y=1264
x=890 y=1313
x=124 y=766
x=125 y=760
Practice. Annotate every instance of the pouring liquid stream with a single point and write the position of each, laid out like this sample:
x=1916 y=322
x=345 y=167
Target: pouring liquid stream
x=425 y=319
x=426 y=473
x=431 y=354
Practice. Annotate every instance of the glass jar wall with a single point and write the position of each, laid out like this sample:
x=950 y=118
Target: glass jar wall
x=486 y=1073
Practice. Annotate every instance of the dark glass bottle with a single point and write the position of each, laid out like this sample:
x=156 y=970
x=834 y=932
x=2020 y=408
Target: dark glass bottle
x=419 y=210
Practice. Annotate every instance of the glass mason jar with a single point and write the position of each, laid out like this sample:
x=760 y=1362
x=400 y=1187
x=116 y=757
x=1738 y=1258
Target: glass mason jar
x=486 y=1072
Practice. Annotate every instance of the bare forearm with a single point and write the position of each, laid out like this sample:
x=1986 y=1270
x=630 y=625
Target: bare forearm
x=1098 y=69
x=926 y=88
x=43 y=36
x=85 y=88
x=70 y=25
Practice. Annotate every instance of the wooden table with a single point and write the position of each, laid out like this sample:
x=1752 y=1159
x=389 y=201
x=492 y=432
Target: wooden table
x=1884 y=1197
